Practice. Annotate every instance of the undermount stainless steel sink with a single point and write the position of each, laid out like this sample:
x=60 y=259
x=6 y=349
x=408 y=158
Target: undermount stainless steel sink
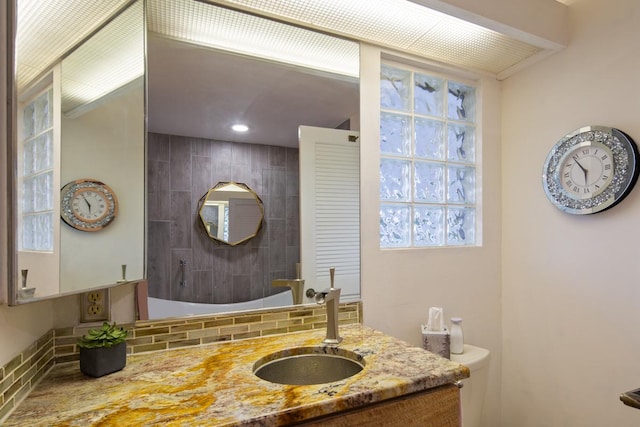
x=308 y=365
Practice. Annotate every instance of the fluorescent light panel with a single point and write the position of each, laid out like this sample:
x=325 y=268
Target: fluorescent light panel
x=402 y=25
x=111 y=59
x=48 y=29
x=228 y=30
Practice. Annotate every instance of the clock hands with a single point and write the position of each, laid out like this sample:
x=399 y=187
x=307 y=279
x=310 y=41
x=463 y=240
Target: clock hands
x=584 y=171
x=87 y=202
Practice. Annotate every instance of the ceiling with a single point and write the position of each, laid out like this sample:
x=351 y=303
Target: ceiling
x=401 y=25
x=199 y=92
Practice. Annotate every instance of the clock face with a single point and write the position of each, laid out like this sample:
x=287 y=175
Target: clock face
x=587 y=169
x=590 y=170
x=88 y=205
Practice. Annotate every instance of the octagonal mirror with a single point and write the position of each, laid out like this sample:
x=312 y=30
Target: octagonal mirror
x=231 y=213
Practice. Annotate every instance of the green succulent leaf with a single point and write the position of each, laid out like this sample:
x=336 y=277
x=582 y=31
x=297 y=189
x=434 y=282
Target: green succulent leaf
x=106 y=336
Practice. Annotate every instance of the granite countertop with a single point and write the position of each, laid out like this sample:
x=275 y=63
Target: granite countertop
x=215 y=385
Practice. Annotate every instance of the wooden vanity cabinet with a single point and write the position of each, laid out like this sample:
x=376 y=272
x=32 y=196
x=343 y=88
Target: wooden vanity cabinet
x=437 y=407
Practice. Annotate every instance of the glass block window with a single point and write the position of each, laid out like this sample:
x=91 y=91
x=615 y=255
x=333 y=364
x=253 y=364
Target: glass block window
x=428 y=173
x=37 y=189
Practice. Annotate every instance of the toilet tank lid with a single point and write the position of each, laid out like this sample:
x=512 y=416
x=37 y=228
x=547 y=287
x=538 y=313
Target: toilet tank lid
x=473 y=357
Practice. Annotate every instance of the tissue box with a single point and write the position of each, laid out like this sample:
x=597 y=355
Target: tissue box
x=437 y=342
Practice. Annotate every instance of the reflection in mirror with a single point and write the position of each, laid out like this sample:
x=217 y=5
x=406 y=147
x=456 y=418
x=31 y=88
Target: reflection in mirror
x=78 y=117
x=103 y=134
x=198 y=86
x=197 y=90
x=231 y=213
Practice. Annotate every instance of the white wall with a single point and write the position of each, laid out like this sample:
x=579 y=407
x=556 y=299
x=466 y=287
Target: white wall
x=571 y=285
x=399 y=286
x=107 y=144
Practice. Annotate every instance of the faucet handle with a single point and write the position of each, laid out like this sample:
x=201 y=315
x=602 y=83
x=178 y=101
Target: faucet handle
x=319 y=297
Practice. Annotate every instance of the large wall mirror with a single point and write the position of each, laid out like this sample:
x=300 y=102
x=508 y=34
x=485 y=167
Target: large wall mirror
x=208 y=67
x=202 y=81
x=79 y=115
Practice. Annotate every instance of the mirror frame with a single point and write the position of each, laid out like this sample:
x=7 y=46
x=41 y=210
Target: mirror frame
x=219 y=185
x=11 y=160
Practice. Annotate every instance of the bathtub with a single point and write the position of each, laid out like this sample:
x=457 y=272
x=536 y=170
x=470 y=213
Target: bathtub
x=162 y=308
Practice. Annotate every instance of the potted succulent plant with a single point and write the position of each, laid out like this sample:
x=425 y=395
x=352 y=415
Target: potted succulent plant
x=103 y=350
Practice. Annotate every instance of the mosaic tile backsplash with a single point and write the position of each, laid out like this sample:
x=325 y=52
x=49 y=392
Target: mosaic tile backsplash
x=19 y=376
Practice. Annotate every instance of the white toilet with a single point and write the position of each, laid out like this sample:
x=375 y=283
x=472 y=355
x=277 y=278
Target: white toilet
x=475 y=387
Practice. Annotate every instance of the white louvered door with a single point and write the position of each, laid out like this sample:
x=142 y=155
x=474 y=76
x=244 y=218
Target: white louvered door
x=330 y=209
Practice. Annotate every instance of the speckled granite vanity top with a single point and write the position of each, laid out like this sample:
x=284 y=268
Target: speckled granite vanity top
x=214 y=385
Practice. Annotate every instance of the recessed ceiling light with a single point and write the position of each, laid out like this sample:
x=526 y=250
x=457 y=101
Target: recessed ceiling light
x=240 y=128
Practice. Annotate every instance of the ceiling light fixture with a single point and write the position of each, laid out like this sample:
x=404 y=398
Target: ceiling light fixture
x=240 y=128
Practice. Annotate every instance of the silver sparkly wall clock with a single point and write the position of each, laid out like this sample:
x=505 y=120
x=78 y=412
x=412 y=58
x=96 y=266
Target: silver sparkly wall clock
x=88 y=204
x=590 y=170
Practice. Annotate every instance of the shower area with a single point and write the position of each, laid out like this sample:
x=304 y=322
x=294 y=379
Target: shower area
x=183 y=262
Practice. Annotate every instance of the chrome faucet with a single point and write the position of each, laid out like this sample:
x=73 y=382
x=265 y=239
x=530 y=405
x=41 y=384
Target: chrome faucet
x=331 y=297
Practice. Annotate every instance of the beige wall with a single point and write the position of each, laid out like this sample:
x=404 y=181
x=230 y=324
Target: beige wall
x=571 y=285
x=564 y=333
x=399 y=286
x=106 y=144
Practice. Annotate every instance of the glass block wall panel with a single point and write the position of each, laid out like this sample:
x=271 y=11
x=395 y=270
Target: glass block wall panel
x=461 y=226
x=428 y=181
x=461 y=185
x=428 y=96
x=28 y=121
x=394 y=180
x=428 y=153
x=43 y=117
x=28 y=158
x=28 y=232
x=43 y=192
x=43 y=155
x=37 y=193
x=428 y=226
x=395 y=88
x=36 y=235
x=394 y=226
x=429 y=138
x=37 y=174
x=461 y=143
x=395 y=134
x=461 y=102
x=28 y=194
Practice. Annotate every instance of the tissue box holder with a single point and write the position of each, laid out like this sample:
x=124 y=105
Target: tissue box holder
x=437 y=342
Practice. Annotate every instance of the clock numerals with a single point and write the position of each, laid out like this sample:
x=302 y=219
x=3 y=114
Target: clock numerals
x=586 y=171
x=89 y=205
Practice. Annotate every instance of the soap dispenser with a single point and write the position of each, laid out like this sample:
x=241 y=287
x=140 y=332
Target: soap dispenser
x=457 y=336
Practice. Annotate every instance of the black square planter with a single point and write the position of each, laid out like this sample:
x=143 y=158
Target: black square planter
x=97 y=362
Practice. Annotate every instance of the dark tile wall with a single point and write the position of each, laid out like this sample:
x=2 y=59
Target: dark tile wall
x=180 y=170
